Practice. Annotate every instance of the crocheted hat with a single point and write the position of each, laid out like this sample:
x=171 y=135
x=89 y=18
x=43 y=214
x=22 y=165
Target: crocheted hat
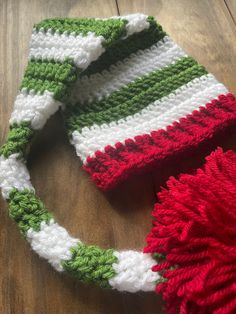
x=131 y=98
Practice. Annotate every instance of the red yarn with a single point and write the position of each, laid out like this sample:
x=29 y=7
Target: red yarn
x=194 y=229
x=145 y=152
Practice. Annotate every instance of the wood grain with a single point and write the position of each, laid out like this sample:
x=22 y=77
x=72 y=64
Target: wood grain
x=231 y=5
x=121 y=219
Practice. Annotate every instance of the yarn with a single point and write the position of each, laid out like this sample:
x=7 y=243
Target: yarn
x=131 y=99
x=107 y=75
x=118 y=162
x=57 y=60
x=120 y=50
x=27 y=210
x=110 y=29
x=18 y=139
x=91 y=264
x=101 y=111
x=51 y=241
x=13 y=175
x=39 y=86
x=194 y=229
x=149 y=118
x=34 y=109
x=53 y=71
x=137 y=66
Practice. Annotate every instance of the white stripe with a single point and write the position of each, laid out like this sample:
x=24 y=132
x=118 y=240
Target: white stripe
x=134 y=272
x=155 y=116
x=34 y=108
x=52 y=242
x=137 y=22
x=99 y=85
x=13 y=174
x=133 y=269
x=82 y=49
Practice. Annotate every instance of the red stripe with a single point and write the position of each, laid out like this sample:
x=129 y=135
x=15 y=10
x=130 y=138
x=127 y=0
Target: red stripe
x=118 y=162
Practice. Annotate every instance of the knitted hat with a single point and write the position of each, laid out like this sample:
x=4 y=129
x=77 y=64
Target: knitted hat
x=131 y=98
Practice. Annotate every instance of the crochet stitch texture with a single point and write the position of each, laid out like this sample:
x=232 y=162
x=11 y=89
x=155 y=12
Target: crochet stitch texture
x=130 y=98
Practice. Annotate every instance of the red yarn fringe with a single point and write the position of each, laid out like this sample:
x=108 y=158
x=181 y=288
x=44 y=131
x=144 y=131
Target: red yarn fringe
x=194 y=229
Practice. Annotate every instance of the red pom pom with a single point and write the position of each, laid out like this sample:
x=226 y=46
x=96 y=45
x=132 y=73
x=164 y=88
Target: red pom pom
x=194 y=230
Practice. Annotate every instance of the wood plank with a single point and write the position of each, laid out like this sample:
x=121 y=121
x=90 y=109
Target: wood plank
x=120 y=219
x=231 y=5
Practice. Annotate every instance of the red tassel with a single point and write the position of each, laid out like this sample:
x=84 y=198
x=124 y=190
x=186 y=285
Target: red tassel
x=194 y=229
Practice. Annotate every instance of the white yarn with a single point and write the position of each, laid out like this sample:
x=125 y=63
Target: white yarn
x=99 y=85
x=34 y=108
x=133 y=269
x=134 y=272
x=137 y=23
x=82 y=49
x=155 y=116
x=13 y=174
x=52 y=242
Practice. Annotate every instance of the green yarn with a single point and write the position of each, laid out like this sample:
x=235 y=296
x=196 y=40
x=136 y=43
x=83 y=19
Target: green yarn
x=18 y=139
x=137 y=103
x=51 y=76
x=91 y=264
x=111 y=29
x=27 y=210
x=123 y=48
x=161 y=280
x=135 y=88
x=40 y=86
x=158 y=256
x=50 y=70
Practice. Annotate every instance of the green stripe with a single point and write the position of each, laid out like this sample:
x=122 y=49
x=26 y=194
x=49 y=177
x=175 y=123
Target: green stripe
x=123 y=48
x=137 y=103
x=52 y=71
x=42 y=75
x=18 y=139
x=91 y=264
x=55 y=77
x=27 y=210
x=135 y=88
x=111 y=29
x=40 y=86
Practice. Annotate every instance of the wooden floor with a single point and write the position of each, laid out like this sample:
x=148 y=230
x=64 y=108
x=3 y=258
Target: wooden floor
x=121 y=219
